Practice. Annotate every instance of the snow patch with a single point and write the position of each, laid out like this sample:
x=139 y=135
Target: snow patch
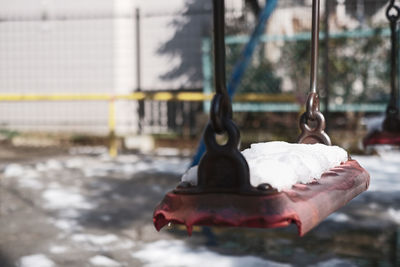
x=53 y=165
x=66 y=225
x=95 y=239
x=338 y=217
x=100 y=260
x=13 y=170
x=384 y=171
x=58 y=249
x=394 y=215
x=167 y=151
x=132 y=165
x=282 y=165
x=32 y=183
x=175 y=253
x=27 y=177
x=50 y=165
x=64 y=199
x=170 y=165
x=37 y=260
x=334 y=262
x=88 y=150
x=74 y=163
x=108 y=241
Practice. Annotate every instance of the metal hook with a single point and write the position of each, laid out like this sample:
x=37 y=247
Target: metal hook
x=313 y=135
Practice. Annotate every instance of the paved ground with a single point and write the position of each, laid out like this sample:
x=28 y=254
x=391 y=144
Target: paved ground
x=81 y=208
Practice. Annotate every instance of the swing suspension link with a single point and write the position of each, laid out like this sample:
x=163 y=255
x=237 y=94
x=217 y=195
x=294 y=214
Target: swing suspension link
x=314 y=132
x=221 y=110
x=312 y=106
x=393 y=12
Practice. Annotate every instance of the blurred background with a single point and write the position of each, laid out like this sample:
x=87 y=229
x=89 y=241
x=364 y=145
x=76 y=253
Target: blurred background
x=103 y=104
x=69 y=68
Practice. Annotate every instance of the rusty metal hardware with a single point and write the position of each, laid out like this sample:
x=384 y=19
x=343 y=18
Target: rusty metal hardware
x=223 y=169
x=316 y=134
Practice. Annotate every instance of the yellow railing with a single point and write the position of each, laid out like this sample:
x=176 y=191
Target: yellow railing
x=155 y=96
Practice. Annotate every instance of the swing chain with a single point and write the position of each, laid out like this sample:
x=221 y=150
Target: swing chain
x=392 y=121
x=316 y=134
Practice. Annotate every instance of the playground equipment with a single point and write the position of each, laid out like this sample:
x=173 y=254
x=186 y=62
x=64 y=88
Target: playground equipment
x=224 y=195
x=389 y=134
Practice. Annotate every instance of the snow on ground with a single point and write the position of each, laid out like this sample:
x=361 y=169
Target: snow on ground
x=13 y=170
x=58 y=249
x=394 y=215
x=176 y=253
x=75 y=190
x=384 y=170
x=100 y=260
x=335 y=263
x=63 y=198
x=107 y=242
x=38 y=260
x=80 y=195
x=338 y=217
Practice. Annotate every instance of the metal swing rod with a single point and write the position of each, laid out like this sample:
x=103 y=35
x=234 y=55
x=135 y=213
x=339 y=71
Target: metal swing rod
x=312 y=135
x=314 y=46
x=219 y=46
x=221 y=107
x=392 y=120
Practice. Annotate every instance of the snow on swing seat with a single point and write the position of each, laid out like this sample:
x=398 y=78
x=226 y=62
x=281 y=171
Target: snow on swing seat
x=282 y=164
x=311 y=182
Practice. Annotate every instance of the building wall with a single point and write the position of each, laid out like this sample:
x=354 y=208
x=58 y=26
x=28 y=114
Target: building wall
x=89 y=46
x=42 y=53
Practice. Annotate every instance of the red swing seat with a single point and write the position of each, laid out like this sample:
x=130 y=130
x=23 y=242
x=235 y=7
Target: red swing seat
x=382 y=138
x=305 y=205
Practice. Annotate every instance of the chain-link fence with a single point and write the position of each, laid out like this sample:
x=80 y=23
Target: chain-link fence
x=109 y=51
x=62 y=66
